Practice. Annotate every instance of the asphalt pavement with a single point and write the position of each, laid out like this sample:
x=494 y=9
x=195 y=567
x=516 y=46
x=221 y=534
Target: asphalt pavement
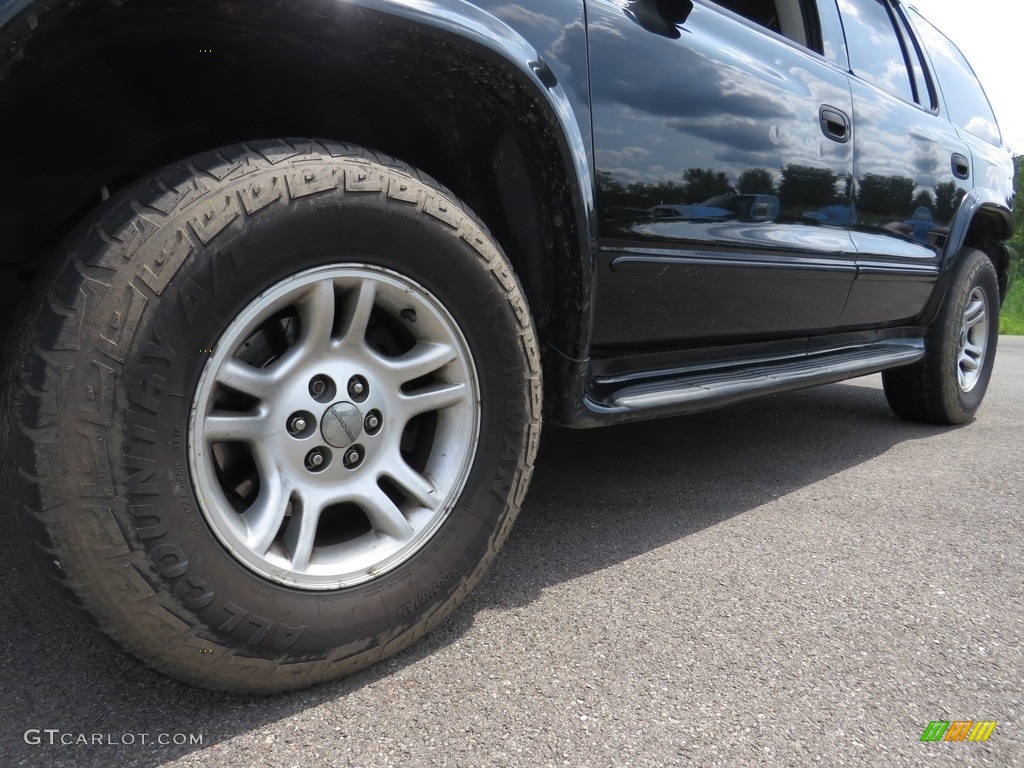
x=801 y=580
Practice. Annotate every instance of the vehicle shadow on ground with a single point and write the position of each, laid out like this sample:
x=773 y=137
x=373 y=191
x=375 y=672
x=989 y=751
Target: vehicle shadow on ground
x=598 y=498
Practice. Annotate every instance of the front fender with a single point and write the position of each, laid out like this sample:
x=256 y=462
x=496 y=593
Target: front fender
x=568 y=102
x=473 y=23
x=505 y=30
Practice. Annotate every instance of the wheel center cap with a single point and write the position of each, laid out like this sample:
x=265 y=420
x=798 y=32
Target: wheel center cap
x=341 y=425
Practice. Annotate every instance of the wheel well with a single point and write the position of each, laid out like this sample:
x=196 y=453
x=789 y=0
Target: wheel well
x=115 y=89
x=987 y=232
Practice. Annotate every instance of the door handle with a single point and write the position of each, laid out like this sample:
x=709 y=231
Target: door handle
x=662 y=17
x=835 y=124
x=961 y=166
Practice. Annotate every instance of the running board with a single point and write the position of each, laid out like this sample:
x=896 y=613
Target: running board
x=699 y=392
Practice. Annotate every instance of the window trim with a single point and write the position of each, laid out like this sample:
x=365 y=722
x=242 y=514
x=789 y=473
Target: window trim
x=889 y=6
x=910 y=44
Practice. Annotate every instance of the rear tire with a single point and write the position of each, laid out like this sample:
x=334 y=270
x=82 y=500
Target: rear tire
x=948 y=385
x=192 y=488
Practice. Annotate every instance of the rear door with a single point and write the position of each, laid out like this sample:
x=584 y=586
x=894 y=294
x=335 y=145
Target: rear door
x=724 y=167
x=912 y=168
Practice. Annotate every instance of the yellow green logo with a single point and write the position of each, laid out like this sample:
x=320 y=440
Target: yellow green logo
x=958 y=730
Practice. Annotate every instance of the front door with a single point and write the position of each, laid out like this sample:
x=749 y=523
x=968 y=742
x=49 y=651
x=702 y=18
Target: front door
x=724 y=167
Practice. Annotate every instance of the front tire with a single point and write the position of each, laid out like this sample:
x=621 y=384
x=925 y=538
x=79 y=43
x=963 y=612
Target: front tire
x=275 y=414
x=948 y=385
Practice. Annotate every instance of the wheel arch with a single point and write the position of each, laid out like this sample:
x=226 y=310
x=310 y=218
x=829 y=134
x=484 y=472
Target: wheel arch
x=456 y=93
x=983 y=221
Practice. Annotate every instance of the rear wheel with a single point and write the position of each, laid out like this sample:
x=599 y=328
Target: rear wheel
x=276 y=414
x=948 y=385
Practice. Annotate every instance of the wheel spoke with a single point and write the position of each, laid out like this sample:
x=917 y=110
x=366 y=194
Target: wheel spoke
x=316 y=318
x=434 y=398
x=245 y=378
x=356 y=310
x=384 y=516
x=264 y=518
x=970 y=357
x=412 y=484
x=300 y=534
x=974 y=313
x=234 y=427
x=423 y=359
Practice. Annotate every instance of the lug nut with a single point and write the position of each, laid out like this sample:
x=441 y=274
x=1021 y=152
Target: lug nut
x=372 y=422
x=297 y=424
x=321 y=388
x=357 y=388
x=317 y=459
x=353 y=457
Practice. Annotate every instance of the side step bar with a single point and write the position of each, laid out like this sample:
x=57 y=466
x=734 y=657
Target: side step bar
x=703 y=391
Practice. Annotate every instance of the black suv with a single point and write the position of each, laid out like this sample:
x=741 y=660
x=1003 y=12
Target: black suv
x=272 y=404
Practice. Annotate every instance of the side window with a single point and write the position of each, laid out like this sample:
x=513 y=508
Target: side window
x=787 y=17
x=876 y=54
x=966 y=103
x=757 y=11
